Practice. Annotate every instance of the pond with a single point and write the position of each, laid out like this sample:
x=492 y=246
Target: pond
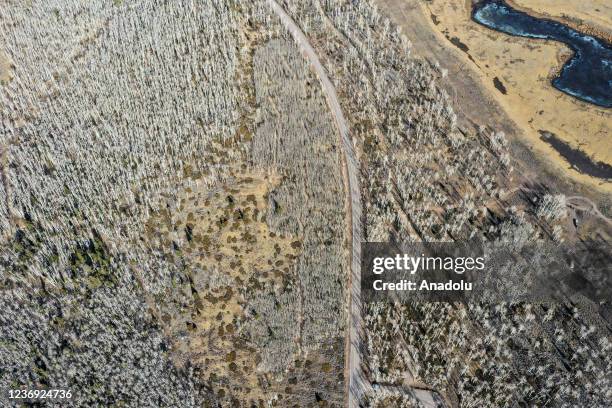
x=586 y=76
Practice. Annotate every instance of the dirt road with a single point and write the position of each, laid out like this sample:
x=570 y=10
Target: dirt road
x=357 y=383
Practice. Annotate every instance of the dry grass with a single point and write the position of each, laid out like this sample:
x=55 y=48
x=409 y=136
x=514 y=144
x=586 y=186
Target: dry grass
x=228 y=249
x=591 y=16
x=261 y=313
x=5 y=68
x=525 y=68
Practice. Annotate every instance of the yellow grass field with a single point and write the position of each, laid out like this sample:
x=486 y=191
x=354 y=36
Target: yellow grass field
x=5 y=68
x=517 y=72
x=582 y=14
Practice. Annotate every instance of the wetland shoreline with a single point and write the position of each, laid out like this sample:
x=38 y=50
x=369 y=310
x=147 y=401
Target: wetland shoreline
x=531 y=104
x=586 y=75
x=576 y=24
x=577 y=158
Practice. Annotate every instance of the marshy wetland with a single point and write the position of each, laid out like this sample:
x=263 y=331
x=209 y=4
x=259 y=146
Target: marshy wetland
x=516 y=74
x=587 y=75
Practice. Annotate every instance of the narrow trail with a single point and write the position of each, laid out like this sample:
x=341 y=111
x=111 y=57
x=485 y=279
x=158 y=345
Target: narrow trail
x=573 y=202
x=4 y=179
x=357 y=384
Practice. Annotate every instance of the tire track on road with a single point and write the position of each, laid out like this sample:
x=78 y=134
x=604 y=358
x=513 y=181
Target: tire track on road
x=357 y=384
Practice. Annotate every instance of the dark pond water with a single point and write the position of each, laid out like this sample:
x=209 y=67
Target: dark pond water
x=586 y=76
x=577 y=158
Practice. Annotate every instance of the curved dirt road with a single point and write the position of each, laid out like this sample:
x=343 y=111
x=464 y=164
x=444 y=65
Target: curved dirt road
x=357 y=384
x=590 y=207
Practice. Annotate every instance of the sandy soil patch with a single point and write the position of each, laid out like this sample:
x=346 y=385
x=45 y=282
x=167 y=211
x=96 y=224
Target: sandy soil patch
x=223 y=237
x=591 y=16
x=5 y=68
x=515 y=74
